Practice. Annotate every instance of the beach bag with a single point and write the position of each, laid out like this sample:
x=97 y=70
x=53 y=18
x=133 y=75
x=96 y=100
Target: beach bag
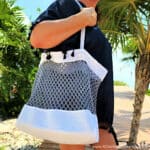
x=62 y=105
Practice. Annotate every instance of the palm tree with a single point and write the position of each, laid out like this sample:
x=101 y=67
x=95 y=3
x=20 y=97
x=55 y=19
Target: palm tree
x=127 y=22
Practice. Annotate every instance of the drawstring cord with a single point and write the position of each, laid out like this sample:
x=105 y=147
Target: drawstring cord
x=64 y=52
x=48 y=56
x=73 y=53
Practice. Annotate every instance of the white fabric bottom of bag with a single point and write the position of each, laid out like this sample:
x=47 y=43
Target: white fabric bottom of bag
x=81 y=126
x=80 y=54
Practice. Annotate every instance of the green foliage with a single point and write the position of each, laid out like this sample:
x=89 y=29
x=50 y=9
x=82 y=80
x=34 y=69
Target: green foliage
x=3 y=148
x=131 y=50
x=119 y=83
x=38 y=10
x=16 y=79
x=11 y=24
x=17 y=62
x=125 y=19
x=130 y=46
x=148 y=92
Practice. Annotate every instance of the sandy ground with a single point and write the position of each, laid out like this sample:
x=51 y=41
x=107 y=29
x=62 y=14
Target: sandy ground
x=124 y=100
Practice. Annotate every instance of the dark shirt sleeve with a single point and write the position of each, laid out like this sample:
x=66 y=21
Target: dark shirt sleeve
x=57 y=10
x=50 y=13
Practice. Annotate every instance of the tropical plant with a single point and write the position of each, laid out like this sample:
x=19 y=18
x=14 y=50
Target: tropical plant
x=16 y=60
x=127 y=22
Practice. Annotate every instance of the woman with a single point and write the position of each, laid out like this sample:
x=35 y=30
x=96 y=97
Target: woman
x=58 y=28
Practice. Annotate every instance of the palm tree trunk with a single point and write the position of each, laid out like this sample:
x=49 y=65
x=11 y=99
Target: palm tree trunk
x=136 y=76
x=142 y=82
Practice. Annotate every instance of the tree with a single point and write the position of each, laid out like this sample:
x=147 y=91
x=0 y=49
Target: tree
x=17 y=62
x=127 y=22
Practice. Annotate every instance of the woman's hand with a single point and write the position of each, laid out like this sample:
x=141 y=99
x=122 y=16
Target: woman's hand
x=89 y=16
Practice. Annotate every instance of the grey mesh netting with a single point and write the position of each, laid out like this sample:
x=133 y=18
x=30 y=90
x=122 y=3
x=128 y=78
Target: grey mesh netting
x=66 y=86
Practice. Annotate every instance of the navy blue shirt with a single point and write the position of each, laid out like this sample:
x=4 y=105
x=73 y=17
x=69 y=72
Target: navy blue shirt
x=96 y=44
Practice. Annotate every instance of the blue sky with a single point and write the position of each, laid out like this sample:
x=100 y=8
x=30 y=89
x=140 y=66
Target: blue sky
x=30 y=7
x=123 y=71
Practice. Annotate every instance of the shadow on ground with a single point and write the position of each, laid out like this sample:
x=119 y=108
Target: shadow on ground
x=122 y=123
x=125 y=95
x=28 y=147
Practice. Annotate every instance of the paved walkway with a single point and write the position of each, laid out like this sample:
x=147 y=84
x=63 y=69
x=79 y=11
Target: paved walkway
x=124 y=100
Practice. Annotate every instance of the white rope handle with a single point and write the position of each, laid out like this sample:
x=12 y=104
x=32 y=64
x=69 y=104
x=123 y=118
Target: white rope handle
x=82 y=36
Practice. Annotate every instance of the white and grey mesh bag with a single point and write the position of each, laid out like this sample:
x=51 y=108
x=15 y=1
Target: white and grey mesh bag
x=62 y=105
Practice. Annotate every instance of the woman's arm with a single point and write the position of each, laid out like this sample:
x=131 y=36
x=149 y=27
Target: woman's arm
x=49 y=33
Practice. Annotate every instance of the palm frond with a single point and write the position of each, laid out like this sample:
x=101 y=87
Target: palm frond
x=122 y=19
x=115 y=37
x=133 y=58
x=148 y=40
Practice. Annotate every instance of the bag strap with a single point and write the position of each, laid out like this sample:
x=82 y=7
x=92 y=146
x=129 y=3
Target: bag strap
x=82 y=36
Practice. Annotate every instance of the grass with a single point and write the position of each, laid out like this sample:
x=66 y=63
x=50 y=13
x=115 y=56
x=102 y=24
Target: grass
x=3 y=148
x=148 y=92
x=119 y=83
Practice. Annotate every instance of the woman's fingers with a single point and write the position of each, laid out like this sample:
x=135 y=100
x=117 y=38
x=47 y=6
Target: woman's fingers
x=90 y=16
